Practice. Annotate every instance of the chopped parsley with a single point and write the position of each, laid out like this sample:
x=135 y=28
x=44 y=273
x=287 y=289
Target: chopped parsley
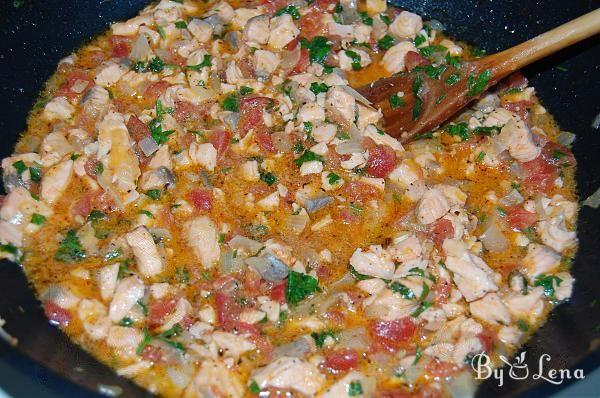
x=154 y=65
x=476 y=85
x=548 y=282
x=155 y=194
x=155 y=125
x=501 y=212
x=355 y=208
x=396 y=101
x=20 y=167
x=308 y=128
x=180 y=25
x=556 y=154
x=317 y=88
x=453 y=60
x=435 y=72
x=333 y=178
x=459 y=130
x=206 y=61
x=385 y=19
x=96 y=215
x=424 y=305
x=308 y=156
x=404 y=291
x=355 y=59
x=300 y=286
x=453 y=79
x=365 y=18
x=428 y=51
x=38 y=219
x=354 y=388
x=386 y=42
x=245 y=90
x=70 y=249
x=146 y=213
x=420 y=39
x=230 y=103
x=320 y=337
x=127 y=322
x=358 y=275
x=268 y=178
x=35 y=172
x=254 y=388
x=523 y=326
x=318 y=48
x=291 y=9
x=480 y=157
x=482 y=130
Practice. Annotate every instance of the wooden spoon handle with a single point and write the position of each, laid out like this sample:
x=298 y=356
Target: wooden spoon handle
x=512 y=59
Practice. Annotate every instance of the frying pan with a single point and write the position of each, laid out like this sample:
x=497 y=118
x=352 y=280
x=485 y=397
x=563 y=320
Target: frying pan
x=37 y=34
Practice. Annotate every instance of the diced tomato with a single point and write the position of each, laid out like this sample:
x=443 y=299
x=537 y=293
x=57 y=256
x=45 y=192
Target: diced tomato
x=277 y=292
x=228 y=310
x=438 y=368
x=57 y=315
x=395 y=394
x=159 y=309
x=519 y=218
x=74 y=87
x=341 y=360
x=332 y=160
x=346 y=216
x=303 y=62
x=137 y=129
x=441 y=291
x=91 y=166
x=311 y=24
x=392 y=335
x=539 y=174
x=251 y=114
x=155 y=90
x=152 y=353
x=273 y=5
x=360 y=191
x=382 y=160
x=265 y=141
x=487 y=338
x=325 y=5
x=441 y=230
x=550 y=149
x=246 y=66
x=193 y=115
x=335 y=316
x=225 y=284
x=221 y=141
x=413 y=59
x=515 y=80
x=201 y=199
x=121 y=45
x=293 y=44
x=175 y=58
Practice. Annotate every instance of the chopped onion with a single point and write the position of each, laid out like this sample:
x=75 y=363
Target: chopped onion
x=493 y=239
x=487 y=103
x=354 y=338
x=232 y=119
x=516 y=169
x=297 y=348
x=270 y=267
x=249 y=246
x=140 y=48
x=513 y=198
x=316 y=204
x=178 y=377
x=349 y=147
x=435 y=25
x=357 y=96
x=229 y=264
x=79 y=86
x=148 y=145
x=193 y=177
x=565 y=138
x=593 y=200
x=282 y=141
x=204 y=94
x=289 y=59
x=166 y=176
x=215 y=81
x=349 y=13
x=217 y=24
x=233 y=38
x=297 y=222
x=309 y=256
x=108 y=188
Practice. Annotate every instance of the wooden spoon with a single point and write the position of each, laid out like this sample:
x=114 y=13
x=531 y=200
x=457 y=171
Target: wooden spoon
x=429 y=101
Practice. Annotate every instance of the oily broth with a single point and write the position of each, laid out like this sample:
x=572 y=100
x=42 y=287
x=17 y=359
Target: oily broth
x=379 y=225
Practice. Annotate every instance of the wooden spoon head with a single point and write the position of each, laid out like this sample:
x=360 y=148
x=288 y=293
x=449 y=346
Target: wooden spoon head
x=428 y=97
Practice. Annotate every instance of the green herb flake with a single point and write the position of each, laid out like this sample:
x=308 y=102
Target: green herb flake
x=480 y=157
x=355 y=208
x=308 y=156
x=317 y=88
x=386 y=42
x=365 y=18
x=320 y=337
x=556 y=154
x=404 y=291
x=428 y=51
x=96 y=215
x=127 y=322
x=161 y=32
x=435 y=72
x=146 y=213
x=354 y=58
x=501 y=212
x=452 y=79
x=418 y=354
x=154 y=194
x=396 y=101
x=333 y=178
x=268 y=178
x=144 y=343
x=453 y=61
x=254 y=388
x=476 y=85
x=420 y=39
x=38 y=219
x=357 y=275
x=230 y=103
x=70 y=249
x=245 y=90
x=300 y=286
x=385 y=19
x=292 y=10
x=354 y=388
x=523 y=326
x=206 y=62
x=459 y=130
x=318 y=48
x=424 y=305
x=548 y=282
x=180 y=25
x=20 y=167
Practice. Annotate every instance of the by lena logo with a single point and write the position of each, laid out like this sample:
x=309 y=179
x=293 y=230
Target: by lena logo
x=519 y=370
